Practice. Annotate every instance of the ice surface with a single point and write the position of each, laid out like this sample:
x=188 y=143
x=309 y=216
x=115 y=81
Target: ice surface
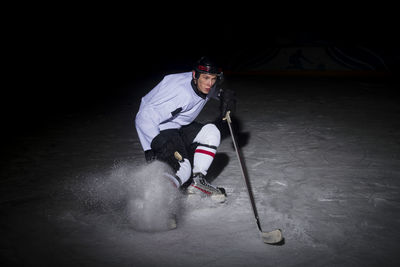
x=323 y=158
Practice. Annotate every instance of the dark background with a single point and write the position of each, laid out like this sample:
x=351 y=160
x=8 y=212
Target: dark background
x=75 y=58
x=72 y=81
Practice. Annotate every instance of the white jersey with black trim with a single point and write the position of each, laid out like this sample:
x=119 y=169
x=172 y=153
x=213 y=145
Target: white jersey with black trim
x=170 y=105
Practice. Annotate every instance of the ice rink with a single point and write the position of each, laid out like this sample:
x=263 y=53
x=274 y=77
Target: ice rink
x=323 y=156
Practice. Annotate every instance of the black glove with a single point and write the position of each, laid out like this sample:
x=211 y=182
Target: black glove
x=149 y=155
x=165 y=144
x=228 y=101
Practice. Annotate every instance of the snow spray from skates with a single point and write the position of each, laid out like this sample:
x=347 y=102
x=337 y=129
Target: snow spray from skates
x=153 y=199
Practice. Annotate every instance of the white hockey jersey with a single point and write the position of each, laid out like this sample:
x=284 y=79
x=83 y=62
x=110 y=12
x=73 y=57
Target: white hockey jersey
x=170 y=105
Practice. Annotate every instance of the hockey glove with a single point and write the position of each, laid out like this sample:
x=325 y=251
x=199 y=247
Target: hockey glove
x=228 y=101
x=165 y=144
x=149 y=155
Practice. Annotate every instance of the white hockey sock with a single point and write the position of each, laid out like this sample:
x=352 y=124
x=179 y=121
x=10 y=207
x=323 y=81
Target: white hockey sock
x=172 y=179
x=203 y=157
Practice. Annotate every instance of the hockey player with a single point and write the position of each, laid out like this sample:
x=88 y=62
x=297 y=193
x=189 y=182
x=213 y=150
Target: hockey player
x=165 y=124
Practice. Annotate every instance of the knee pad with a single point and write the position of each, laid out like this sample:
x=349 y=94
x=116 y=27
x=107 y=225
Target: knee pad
x=208 y=135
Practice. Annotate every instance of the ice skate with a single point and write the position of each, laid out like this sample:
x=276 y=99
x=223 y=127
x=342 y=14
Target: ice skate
x=200 y=186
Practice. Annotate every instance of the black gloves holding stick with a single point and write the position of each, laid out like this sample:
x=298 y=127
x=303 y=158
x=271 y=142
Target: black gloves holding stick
x=228 y=101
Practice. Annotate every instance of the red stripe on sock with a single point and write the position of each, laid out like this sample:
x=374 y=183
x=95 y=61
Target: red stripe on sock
x=205 y=152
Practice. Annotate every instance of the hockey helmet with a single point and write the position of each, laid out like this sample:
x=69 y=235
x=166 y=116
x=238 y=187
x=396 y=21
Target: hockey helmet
x=207 y=66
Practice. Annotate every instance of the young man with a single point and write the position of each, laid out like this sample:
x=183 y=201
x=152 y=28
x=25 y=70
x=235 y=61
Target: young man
x=165 y=124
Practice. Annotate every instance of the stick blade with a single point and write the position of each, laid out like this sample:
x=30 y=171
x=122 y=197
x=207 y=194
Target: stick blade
x=272 y=237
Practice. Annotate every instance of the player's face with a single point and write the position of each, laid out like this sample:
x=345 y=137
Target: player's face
x=205 y=82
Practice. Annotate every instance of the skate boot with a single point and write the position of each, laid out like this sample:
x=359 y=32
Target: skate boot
x=202 y=187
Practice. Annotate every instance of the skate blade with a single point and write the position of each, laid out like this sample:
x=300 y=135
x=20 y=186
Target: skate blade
x=218 y=198
x=214 y=198
x=272 y=237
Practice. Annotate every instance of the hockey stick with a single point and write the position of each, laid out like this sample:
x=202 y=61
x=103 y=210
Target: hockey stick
x=272 y=237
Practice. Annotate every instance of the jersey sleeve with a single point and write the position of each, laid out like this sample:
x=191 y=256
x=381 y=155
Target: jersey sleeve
x=160 y=105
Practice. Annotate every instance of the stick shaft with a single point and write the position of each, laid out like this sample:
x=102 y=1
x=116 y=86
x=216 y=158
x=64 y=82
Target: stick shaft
x=243 y=170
